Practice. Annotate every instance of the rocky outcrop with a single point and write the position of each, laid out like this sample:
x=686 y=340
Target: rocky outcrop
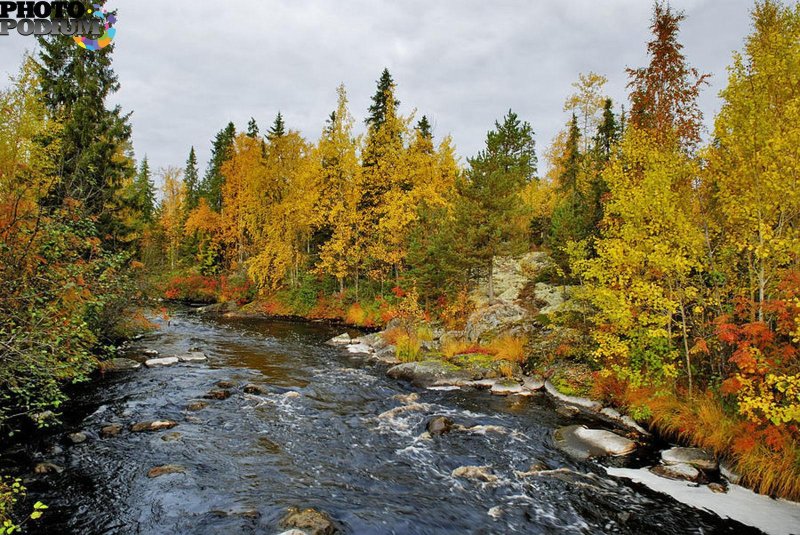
x=584 y=443
x=512 y=274
x=309 y=521
x=486 y=324
x=428 y=373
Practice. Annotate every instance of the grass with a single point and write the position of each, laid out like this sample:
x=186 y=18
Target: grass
x=510 y=348
x=408 y=348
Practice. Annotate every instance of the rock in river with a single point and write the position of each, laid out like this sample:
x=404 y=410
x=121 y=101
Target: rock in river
x=342 y=339
x=680 y=471
x=439 y=425
x=196 y=405
x=47 y=468
x=155 y=425
x=252 y=388
x=193 y=356
x=309 y=521
x=218 y=394
x=165 y=469
x=164 y=361
x=694 y=456
x=477 y=473
x=111 y=430
x=119 y=365
x=506 y=387
x=583 y=443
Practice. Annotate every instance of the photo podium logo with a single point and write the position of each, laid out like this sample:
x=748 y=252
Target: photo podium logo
x=92 y=28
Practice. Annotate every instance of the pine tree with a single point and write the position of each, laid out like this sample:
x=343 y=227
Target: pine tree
x=278 y=128
x=492 y=212
x=252 y=128
x=93 y=162
x=191 y=180
x=213 y=181
x=608 y=132
x=384 y=93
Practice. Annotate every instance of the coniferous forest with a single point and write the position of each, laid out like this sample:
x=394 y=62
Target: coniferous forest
x=675 y=248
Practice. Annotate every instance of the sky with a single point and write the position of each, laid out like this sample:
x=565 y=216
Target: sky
x=187 y=67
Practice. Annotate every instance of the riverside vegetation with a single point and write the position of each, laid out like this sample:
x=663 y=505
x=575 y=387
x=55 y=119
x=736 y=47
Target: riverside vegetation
x=679 y=257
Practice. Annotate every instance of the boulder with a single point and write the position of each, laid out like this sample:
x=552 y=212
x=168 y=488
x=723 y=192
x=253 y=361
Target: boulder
x=150 y=352
x=225 y=384
x=158 y=471
x=196 y=405
x=78 y=438
x=506 y=387
x=486 y=324
x=291 y=394
x=374 y=340
x=193 y=356
x=555 y=298
x=428 y=373
x=533 y=384
x=111 y=430
x=678 y=471
x=359 y=348
x=160 y=362
x=386 y=355
x=583 y=443
x=477 y=473
x=342 y=339
x=718 y=488
x=694 y=456
x=727 y=471
x=439 y=425
x=572 y=400
x=119 y=365
x=309 y=521
x=153 y=425
x=218 y=394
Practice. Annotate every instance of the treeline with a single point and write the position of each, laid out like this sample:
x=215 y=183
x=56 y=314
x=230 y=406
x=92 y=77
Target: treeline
x=685 y=252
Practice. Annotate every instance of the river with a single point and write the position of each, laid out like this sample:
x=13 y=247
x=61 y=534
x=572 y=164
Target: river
x=338 y=446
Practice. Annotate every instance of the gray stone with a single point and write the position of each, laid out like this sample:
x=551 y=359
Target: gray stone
x=160 y=362
x=678 y=471
x=111 y=430
x=150 y=352
x=727 y=471
x=153 y=425
x=512 y=274
x=486 y=324
x=583 y=443
x=718 y=488
x=506 y=387
x=342 y=339
x=694 y=456
x=386 y=355
x=572 y=400
x=533 y=384
x=193 y=356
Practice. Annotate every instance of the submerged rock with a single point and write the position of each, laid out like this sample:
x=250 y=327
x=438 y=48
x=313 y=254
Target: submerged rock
x=251 y=388
x=161 y=362
x=111 y=430
x=439 y=425
x=78 y=438
x=158 y=471
x=679 y=471
x=155 y=425
x=225 y=384
x=196 y=405
x=218 y=394
x=310 y=521
x=119 y=365
x=171 y=437
x=477 y=473
x=291 y=394
x=428 y=373
x=694 y=456
x=583 y=443
x=47 y=468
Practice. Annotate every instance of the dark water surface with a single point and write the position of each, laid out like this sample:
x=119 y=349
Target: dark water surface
x=334 y=447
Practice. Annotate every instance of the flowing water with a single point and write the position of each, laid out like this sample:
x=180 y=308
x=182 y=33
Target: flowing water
x=350 y=445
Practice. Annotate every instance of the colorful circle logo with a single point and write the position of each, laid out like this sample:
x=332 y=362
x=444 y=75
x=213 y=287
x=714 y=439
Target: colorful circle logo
x=108 y=33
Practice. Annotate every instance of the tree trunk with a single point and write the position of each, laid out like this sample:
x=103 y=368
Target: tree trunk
x=686 y=347
x=491 y=279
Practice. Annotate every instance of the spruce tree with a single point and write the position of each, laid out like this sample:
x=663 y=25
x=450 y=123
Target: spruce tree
x=252 y=128
x=377 y=110
x=145 y=192
x=211 y=187
x=191 y=179
x=491 y=215
x=92 y=159
x=608 y=132
x=278 y=128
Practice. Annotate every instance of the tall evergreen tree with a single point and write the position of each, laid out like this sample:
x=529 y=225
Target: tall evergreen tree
x=608 y=132
x=385 y=91
x=144 y=192
x=278 y=128
x=491 y=213
x=252 y=128
x=211 y=187
x=92 y=146
x=191 y=180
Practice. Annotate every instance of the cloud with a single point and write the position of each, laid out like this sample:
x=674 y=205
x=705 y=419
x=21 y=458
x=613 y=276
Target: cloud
x=187 y=67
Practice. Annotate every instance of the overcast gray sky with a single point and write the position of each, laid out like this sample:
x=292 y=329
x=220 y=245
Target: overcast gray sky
x=187 y=67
